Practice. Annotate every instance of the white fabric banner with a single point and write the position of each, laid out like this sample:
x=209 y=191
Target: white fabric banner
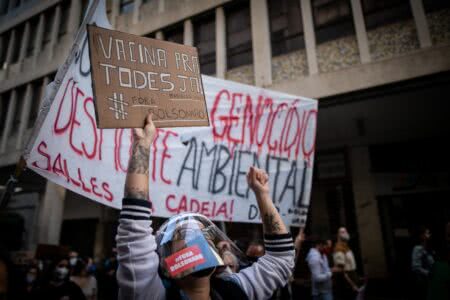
x=199 y=169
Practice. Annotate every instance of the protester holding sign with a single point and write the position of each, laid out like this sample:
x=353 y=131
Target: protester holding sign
x=186 y=244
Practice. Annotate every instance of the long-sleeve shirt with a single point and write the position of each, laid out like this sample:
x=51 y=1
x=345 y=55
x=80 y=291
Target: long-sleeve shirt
x=320 y=272
x=138 y=276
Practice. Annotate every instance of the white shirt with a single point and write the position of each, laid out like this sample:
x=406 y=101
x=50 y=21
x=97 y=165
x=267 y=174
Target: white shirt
x=346 y=259
x=87 y=284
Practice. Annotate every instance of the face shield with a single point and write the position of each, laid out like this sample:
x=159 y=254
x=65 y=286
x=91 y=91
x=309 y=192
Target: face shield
x=188 y=243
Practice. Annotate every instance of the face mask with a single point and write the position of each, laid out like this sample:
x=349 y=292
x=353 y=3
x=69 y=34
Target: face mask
x=30 y=278
x=345 y=237
x=61 y=273
x=73 y=261
x=41 y=266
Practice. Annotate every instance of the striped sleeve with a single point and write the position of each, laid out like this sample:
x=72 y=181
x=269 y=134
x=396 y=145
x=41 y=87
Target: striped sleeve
x=278 y=242
x=272 y=270
x=136 y=209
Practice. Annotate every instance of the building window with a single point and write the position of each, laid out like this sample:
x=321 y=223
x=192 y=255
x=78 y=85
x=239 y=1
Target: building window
x=332 y=19
x=33 y=31
x=175 y=34
x=48 y=26
x=65 y=11
x=434 y=5
x=239 y=35
x=379 y=13
x=35 y=101
x=3 y=48
x=18 y=43
x=19 y=106
x=126 y=6
x=3 y=7
x=286 y=28
x=205 y=41
x=4 y=109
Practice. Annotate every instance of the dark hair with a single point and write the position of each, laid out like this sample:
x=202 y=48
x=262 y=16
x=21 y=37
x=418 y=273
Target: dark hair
x=79 y=267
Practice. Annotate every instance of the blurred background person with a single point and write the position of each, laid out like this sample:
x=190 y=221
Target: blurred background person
x=84 y=280
x=73 y=257
x=422 y=260
x=108 y=288
x=91 y=267
x=321 y=284
x=439 y=278
x=230 y=261
x=59 y=286
x=31 y=284
x=347 y=282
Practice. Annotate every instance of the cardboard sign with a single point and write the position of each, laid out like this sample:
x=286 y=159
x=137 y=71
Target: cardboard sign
x=134 y=75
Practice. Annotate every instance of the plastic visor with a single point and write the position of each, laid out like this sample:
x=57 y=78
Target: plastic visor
x=188 y=243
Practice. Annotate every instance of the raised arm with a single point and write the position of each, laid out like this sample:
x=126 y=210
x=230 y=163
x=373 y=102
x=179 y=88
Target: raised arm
x=273 y=269
x=137 y=275
x=258 y=180
x=136 y=184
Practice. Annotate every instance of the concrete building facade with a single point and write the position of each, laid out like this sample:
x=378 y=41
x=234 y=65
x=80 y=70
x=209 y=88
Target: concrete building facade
x=380 y=69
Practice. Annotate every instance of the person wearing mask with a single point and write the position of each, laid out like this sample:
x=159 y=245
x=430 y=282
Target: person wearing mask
x=179 y=261
x=321 y=285
x=59 y=286
x=108 y=288
x=422 y=260
x=90 y=266
x=73 y=258
x=347 y=285
x=31 y=284
x=84 y=280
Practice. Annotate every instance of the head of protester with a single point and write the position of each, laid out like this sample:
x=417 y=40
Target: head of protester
x=188 y=244
x=182 y=260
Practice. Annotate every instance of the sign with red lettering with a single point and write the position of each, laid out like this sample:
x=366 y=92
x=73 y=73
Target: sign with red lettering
x=197 y=169
x=184 y=259
x=134 y=75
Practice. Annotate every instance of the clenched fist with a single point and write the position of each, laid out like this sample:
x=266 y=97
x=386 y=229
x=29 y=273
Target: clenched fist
x=258 y=180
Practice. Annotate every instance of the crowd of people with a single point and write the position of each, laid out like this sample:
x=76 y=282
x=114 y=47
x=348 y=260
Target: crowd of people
x=188 y=257
x=69 y=275
x=325 y=269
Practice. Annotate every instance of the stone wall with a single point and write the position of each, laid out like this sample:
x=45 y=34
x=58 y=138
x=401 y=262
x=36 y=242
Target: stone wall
x=393 y=40
x=288 y=66
x=439 y=24
x=242 y=74
x=337 y=54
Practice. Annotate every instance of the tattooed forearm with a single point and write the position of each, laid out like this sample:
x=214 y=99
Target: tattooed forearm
x=271 y=224
x=134 y=192
x=139 y=160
